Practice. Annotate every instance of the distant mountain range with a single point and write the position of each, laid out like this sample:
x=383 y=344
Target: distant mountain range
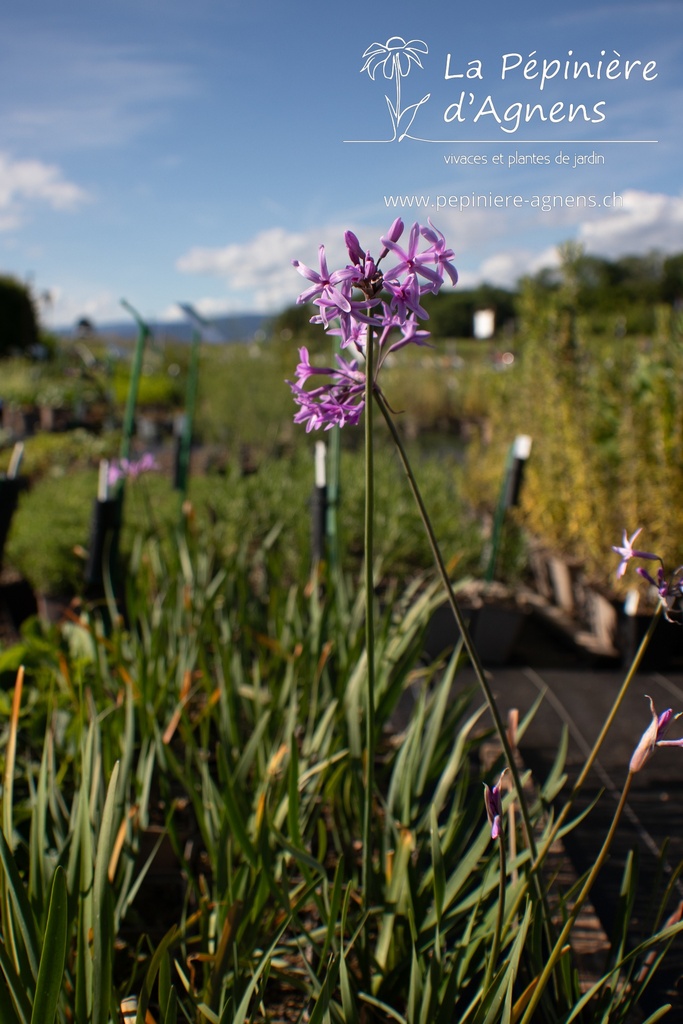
x=246 y=327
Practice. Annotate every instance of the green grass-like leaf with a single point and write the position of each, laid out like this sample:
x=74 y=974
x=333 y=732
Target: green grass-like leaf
x=53 y=956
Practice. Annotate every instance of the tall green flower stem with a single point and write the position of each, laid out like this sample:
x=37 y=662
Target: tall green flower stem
x=500 y=914
x=462 y=626
x=590 y=760
x=369 y=623
x=473 y=654
x=541 y=894
x=563 y=937
x=513 y=910
x=606 y=726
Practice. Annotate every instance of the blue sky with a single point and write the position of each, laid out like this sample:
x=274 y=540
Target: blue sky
x=169 y=151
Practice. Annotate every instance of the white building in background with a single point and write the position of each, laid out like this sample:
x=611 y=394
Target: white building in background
x=484 y=323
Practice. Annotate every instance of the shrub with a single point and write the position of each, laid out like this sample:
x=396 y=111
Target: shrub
x=18 y=320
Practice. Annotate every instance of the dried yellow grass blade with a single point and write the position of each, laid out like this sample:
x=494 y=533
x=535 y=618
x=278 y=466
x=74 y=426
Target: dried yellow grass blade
x=8 y=786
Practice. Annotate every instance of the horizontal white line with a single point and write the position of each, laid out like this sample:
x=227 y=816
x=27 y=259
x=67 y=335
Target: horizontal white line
x=517 y=142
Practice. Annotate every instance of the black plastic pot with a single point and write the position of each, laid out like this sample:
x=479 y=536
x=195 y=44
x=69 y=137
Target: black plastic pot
x=665 y=649
x=494 y=628
x=105 y=527
x=10 y=489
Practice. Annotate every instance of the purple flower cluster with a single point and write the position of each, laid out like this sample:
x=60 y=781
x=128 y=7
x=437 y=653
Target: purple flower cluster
x=669 y=587
x=130 y=469
x=361 y=302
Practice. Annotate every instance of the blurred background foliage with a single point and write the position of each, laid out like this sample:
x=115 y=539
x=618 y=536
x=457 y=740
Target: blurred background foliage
x=50 y=532
x=226 y=637
x=607 y=422
x=586 y=358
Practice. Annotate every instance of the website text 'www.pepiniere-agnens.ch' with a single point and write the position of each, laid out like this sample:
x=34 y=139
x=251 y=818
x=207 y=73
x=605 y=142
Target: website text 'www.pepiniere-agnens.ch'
x=502 y=201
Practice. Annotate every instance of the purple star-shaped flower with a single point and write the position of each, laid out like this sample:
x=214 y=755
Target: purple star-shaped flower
x=339 y=401
x=405 y=297
x=627 y=552
x=668 y=589
x=493 y=801
x=653 y=737
x=394 y=233
x=411 y=261
x=410 y=335
x=325 y=283
x=442 y=256
x=661 y=583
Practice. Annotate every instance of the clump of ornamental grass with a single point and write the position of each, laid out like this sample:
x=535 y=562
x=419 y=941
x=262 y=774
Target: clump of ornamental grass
x=246 y=800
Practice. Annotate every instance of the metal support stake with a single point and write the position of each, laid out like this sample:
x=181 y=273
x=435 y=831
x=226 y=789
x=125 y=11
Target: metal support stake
x=520 y=449
x=144 y=333
x=202 y=330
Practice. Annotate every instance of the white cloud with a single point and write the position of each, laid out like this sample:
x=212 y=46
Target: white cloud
x=647 y=220
x=505 y=268
x=23 y=182
x=68 y=305
x=207 y=307
x=258 y=273
x=257 y=276
x=242 y=263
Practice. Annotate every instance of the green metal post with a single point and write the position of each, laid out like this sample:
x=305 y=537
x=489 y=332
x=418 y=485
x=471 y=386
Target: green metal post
x=207 y=331
x=144 y=333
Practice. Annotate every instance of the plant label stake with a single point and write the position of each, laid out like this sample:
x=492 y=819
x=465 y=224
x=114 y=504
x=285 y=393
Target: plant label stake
x=520 y=450
x=10 y=488
x=319 y=505
x=105 y=527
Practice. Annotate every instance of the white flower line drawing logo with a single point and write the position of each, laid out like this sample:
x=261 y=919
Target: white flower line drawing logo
x=396 y=57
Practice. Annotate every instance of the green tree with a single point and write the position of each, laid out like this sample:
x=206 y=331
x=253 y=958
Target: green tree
x=672 y=279
x=18 y=319
x=294 y=322
x=451 y=313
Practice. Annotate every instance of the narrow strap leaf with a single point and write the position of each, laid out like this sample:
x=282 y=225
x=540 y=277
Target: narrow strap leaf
x=53 y=956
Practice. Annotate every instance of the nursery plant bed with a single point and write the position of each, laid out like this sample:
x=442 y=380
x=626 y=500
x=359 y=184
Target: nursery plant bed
x=665 y=649
x=568 y=629
x=53 y=608
x=581 y=699
x=495 y=616
x=592 y=619
x=608 y=635
x=557 y=577
x=10 y=489
x=17 y=603
x=20 y=421
x=53 y=418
